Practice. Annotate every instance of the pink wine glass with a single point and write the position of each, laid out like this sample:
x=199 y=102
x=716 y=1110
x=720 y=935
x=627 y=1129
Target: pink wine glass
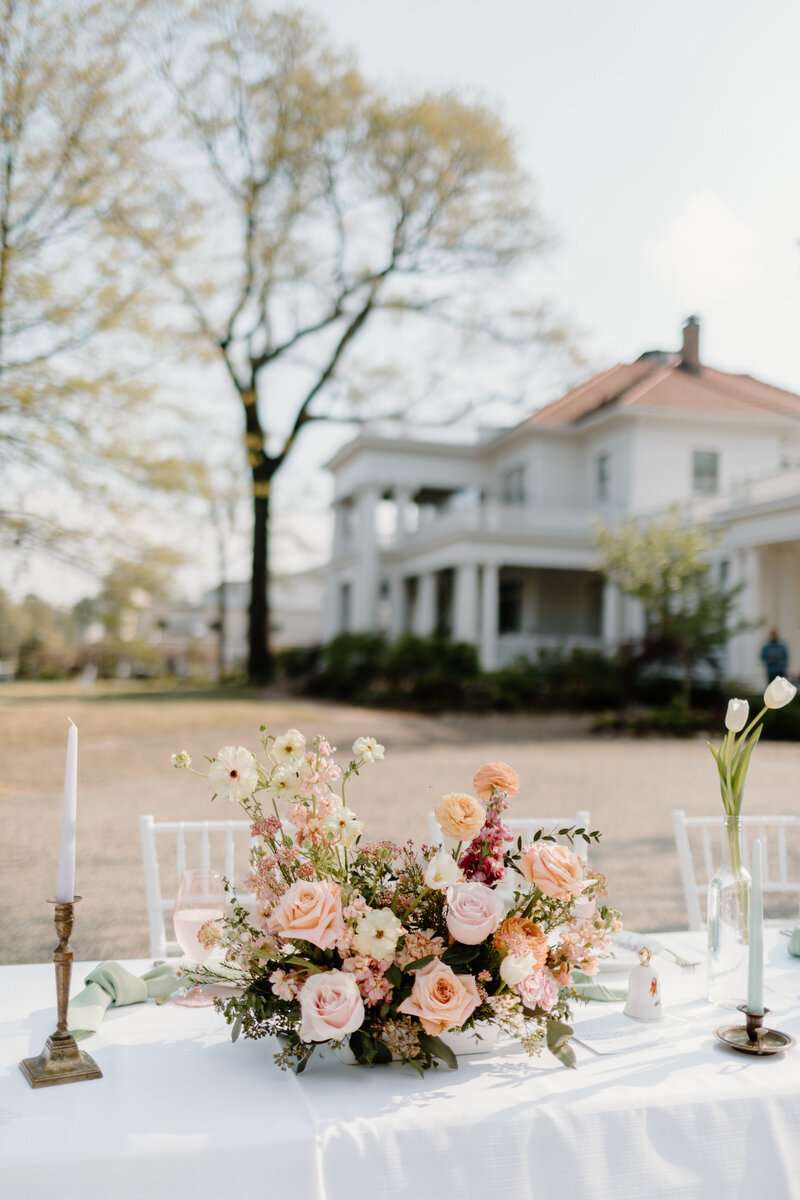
x=201 y=898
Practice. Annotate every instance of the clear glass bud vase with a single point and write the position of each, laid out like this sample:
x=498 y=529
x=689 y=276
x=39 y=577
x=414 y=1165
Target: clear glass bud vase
x=729 y=922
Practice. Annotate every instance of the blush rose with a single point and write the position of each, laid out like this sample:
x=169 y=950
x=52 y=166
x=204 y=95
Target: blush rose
x=495 y=777
x=441 y=999
x=311 y=911
x=473 y=912
x=330 y=1006
x=460 y=816
x=555 y=870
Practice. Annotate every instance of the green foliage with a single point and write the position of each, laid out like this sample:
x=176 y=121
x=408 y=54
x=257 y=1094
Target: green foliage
x=665 y=566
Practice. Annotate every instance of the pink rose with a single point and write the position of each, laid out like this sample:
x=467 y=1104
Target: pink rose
x=495 y=777
x=538 y=990
x=555 y=870
x=311 y=911
x=331 y=1006
x=473 y=912
x=441 y=999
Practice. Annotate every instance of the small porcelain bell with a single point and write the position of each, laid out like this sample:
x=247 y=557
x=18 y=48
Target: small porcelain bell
x=644 y=994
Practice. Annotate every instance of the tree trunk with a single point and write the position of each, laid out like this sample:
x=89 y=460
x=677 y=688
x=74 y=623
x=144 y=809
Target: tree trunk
x=260 y=663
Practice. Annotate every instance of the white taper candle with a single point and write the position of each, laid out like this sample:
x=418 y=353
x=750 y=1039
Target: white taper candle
x=65 y=888
x=755 y=966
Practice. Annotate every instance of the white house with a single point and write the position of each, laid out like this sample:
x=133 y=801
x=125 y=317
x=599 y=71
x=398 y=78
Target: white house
x=492 y=542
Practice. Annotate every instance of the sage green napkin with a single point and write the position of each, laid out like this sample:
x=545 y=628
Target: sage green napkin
x=110 y=984
x=589 y=989
x=794 y=941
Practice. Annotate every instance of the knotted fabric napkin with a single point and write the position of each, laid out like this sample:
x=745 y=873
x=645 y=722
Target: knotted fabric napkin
x=588 y=988
x=110 y=984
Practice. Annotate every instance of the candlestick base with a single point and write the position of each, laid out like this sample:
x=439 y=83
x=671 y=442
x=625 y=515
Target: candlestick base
x=753 y=1038
x=61 y=1061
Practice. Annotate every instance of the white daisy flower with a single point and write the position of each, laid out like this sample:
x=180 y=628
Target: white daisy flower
x=441 y=871
x=234 y=773
x=377 y=933
x=368 y=749
x=344 y=823
x=183 y=759
x=284 y=782
x=289 y=746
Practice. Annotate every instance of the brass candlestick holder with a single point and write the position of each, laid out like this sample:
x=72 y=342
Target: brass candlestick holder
x=61 y=1061
x=753 y=1038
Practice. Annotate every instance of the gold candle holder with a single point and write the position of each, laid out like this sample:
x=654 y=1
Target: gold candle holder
x=61 y=1061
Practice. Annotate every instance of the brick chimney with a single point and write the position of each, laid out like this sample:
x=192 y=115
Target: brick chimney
x=690 y=350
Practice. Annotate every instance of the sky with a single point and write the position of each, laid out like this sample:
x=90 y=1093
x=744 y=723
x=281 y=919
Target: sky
x=662 y=142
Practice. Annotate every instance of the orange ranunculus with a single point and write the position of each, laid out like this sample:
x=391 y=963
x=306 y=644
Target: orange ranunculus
x=460 y=816
x=495 y=777
x=519 y=936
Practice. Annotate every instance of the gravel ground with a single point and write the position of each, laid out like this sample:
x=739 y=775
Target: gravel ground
x=629 y=787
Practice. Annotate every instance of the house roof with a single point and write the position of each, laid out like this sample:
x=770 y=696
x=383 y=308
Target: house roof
x=659 y=381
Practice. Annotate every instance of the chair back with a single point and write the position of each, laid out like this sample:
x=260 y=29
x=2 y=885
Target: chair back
x=168 y=847
x=698 y=842
x=526 y=827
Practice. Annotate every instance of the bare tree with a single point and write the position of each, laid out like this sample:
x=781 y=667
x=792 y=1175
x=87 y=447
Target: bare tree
x=331 y=209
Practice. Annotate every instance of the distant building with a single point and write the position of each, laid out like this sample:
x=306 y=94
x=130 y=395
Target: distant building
x=492 y=542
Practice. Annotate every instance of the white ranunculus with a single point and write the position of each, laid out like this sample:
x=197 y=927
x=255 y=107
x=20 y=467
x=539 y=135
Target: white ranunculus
x=368 y=749
x=234 y=773
x=289 y=746
x=343 y=822
x=514 y=969
x=736 y=716
x=377 y=933
x=441 y=871
x=779 y=693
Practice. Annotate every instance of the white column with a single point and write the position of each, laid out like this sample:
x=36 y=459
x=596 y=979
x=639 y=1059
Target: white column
x=330 y=607
x=365 y=595
x=743 y=649
x=489 y=615
x=402 y=499
x=611 y=607
x=465 y=607
x=397 y=605
x=425 y=615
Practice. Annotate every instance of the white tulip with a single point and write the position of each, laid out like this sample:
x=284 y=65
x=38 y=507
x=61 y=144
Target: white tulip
x=779 y=693
x=736 y=716
x=513 y=970
x=441 y=871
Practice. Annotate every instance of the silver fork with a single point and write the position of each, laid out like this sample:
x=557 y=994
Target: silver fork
x=683 y=963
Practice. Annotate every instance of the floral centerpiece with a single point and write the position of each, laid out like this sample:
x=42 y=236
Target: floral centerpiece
x=385 y=947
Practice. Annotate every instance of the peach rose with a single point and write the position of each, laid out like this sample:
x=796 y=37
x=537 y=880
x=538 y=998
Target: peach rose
x=311 y=911
x=331 y=1006
x=473 y=912
x=441 y=999
x=555 y=870
x=460 y=816
x=495 y=777
x=518 y=935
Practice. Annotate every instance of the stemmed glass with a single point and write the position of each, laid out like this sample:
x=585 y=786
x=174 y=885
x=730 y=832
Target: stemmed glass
x=201 y=898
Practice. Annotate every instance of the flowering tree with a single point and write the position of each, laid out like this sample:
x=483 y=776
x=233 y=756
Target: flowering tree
x=665 y=566
x=330 y=210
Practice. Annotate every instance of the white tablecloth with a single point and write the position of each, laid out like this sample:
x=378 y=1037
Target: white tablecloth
x=183 y=1112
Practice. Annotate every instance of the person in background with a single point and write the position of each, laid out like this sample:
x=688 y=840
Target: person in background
x=774 y=656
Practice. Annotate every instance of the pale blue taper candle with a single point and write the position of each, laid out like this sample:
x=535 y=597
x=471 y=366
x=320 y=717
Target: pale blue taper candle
x=755 y=966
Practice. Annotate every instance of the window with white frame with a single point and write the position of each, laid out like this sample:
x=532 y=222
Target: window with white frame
x=705 y=472
x=513 y=486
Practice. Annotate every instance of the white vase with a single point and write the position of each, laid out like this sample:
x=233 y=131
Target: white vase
x=480 y=1040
